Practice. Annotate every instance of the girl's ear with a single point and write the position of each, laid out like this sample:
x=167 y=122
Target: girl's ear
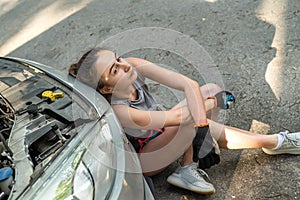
x=106 y=90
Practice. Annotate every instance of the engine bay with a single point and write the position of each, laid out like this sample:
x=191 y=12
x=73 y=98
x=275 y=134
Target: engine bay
x=38 y=116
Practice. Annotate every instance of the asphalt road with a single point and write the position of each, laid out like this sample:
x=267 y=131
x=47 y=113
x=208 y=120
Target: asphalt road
x=251 y=47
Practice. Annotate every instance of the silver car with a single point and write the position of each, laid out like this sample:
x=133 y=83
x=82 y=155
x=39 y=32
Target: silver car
x=61 y=140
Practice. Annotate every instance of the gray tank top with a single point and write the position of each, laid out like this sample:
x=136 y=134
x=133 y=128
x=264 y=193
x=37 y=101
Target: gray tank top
x=144 y=102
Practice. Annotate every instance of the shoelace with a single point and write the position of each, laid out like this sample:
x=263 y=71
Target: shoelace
x=291 y=140
x=203 y=173
x=199 y=171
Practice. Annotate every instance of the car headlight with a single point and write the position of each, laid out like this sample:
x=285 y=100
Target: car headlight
x=105 y=158
x=83 y=185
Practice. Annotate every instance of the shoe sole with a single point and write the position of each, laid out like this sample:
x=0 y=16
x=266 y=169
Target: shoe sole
x=181 y=184
x=271 y=152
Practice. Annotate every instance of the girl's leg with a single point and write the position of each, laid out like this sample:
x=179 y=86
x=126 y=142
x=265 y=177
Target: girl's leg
x=234 y=138
x=175 y=141
x=170 y=145
x=166 y=148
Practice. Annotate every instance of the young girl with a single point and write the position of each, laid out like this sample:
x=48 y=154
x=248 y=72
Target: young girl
x=160 y=137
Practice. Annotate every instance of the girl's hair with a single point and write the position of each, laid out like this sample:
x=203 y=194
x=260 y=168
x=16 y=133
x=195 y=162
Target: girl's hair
x=85 y=70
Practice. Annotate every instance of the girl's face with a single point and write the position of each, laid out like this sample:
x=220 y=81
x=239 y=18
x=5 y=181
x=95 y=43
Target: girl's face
x=117 y=73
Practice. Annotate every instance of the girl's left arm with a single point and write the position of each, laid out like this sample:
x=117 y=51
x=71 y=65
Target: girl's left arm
x=177 y=81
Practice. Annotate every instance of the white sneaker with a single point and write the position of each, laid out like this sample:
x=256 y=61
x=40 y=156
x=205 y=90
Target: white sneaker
x=191 y=178
x=290 y=144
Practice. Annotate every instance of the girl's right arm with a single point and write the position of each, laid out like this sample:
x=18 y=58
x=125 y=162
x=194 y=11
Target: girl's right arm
x=191 y=88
